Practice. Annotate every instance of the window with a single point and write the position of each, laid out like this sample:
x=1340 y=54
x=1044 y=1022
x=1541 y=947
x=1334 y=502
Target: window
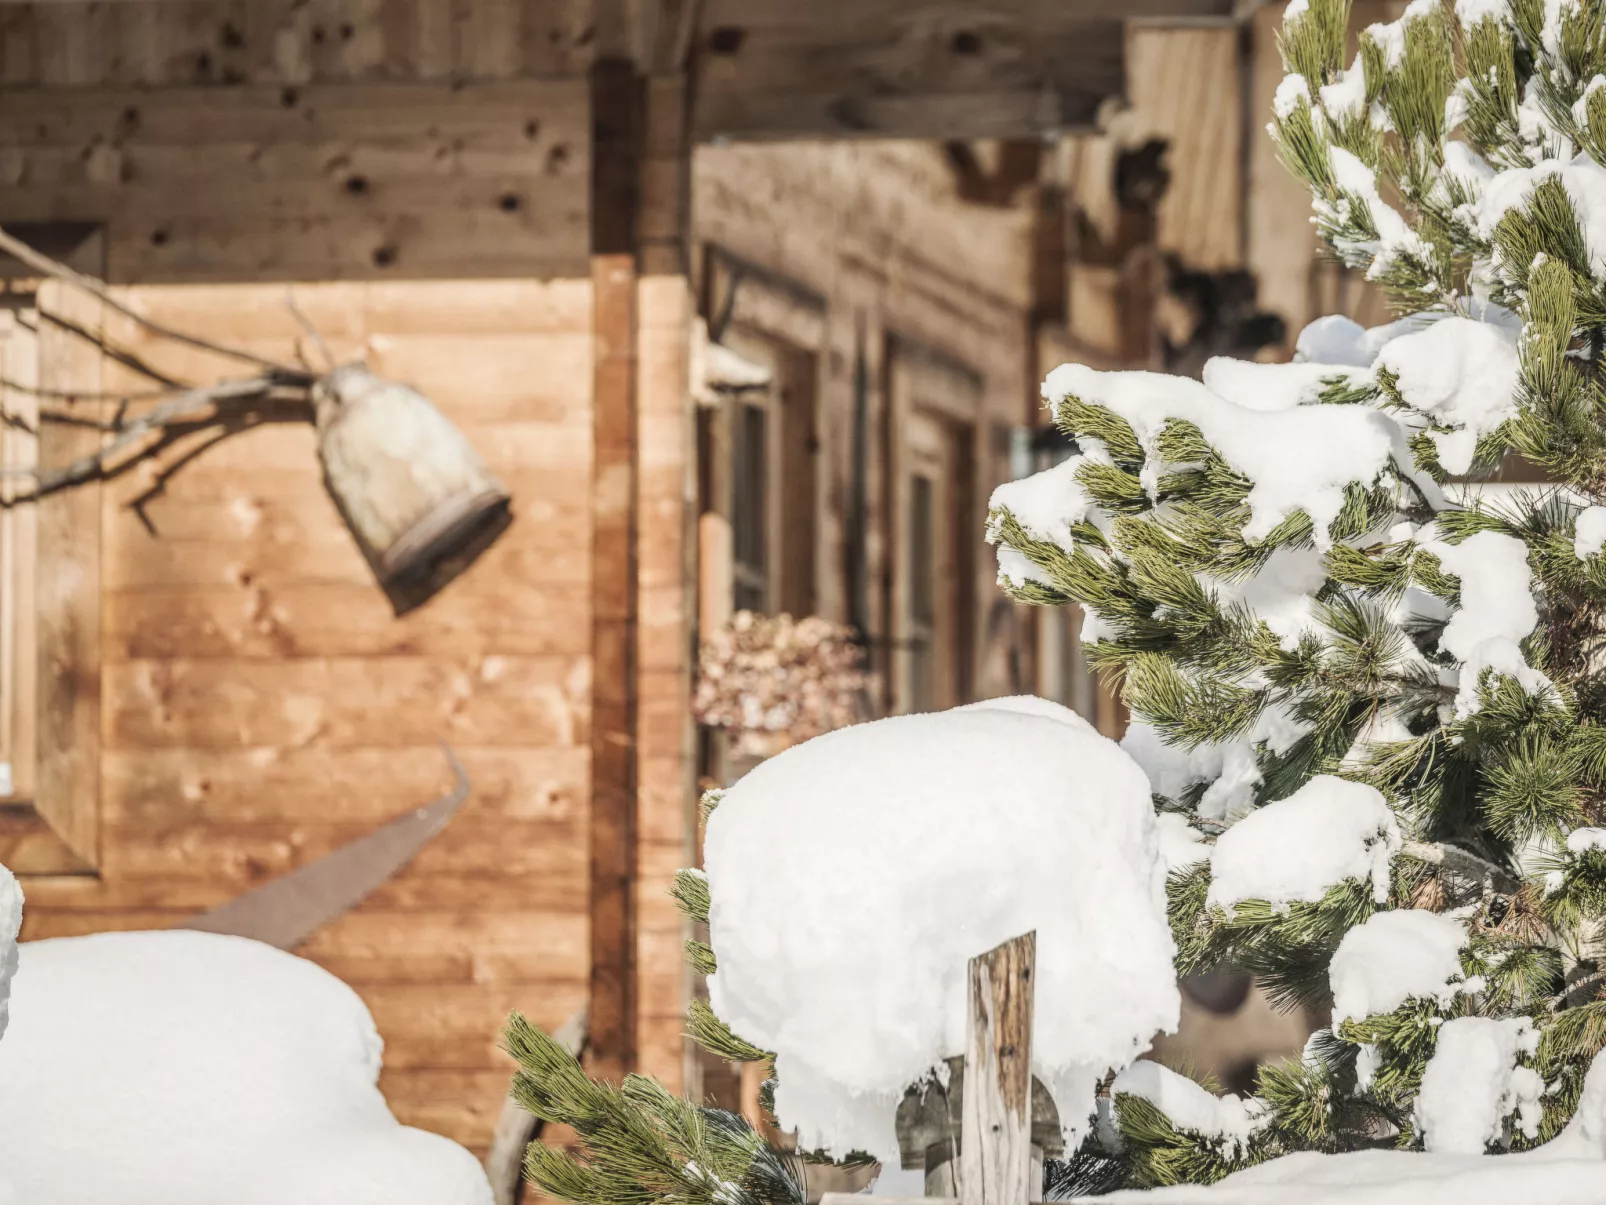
x=50 y=604
x=771 y=488
x=933 y=591
x=922 y=570
x=750 y=505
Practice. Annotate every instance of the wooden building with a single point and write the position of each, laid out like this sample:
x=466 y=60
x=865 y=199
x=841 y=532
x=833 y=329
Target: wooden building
x=524 y=208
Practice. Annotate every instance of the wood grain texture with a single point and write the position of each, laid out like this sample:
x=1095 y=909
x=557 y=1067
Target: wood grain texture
x=996 y=1123
x=67 y=599
x=262 y=708
x=665 y=823
x=1186 y=85
x=617 y=113
x=315 y=182
x=158 y=42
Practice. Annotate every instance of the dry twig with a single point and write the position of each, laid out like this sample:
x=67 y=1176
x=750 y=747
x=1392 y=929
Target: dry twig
x=40 y=262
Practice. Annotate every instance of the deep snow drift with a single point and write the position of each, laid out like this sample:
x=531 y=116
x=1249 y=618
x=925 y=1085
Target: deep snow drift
x=180 y=1068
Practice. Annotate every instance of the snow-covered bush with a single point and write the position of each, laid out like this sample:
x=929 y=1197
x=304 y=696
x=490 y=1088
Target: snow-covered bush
x=851 y=878
x=1297 y=596
x=179 y=1068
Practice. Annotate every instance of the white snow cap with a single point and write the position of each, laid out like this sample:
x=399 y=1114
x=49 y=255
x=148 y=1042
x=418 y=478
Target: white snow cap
x=1473 y=1083
x=1257 y=386
x=1230 y=1120
x=1326 y=832
x=1045 y=709
x=1589 y=536
x=1470 y=12
x=181 y=1068
x=1497 y=611
x=1464 y=375
x=1181 y=845
x=1583 y=840
x=1335 y=339
x=10 y=926
x=1045 y=505
x=1585 y=182
x=853 y=876
x=1393 y=957
x=1232 y=768
x=1299 y=458
x=1290 y=92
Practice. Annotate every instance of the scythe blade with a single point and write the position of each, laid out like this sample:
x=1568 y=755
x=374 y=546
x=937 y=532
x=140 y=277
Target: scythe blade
x=285 y=912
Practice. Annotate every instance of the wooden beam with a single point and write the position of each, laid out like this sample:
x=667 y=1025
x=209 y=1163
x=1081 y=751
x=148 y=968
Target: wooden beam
x=616 y=114
x=995 y=1144
x=899 y=77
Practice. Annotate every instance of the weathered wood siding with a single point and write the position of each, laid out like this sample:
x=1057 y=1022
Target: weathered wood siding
x=877 y=234
x=346 y=139
x=262 y=705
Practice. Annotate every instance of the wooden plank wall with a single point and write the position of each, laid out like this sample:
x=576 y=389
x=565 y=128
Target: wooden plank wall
x=262 y=705
x=345 y=139
x=428 y=162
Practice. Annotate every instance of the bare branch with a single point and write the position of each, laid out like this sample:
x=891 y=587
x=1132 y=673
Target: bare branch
x=1464 y=864
x=126 y=358
x=88 y=284
x=81 y=395
x=186 y=405
x=311 y=331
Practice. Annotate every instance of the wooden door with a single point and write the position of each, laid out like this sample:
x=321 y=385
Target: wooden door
x=935 y=640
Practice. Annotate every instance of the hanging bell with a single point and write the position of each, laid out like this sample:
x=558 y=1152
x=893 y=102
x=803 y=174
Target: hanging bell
x=416 y=495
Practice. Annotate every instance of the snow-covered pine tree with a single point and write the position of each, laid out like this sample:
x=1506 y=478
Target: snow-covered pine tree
x=1370 y=699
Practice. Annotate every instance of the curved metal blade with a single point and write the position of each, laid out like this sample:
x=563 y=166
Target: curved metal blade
x=285 y=912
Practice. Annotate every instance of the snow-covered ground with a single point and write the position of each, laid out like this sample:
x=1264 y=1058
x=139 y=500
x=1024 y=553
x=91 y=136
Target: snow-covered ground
x=1568 y=1170
x=180 y=1068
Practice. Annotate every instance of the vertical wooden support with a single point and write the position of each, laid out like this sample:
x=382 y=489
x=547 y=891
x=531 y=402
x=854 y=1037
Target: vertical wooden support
x=996 y=1127
x=616 y=115
x=67 y=598
x=665 y=463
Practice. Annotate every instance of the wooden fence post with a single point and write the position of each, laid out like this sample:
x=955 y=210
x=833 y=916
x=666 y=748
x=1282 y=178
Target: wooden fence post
x=996 y=1166
x=995 y=1145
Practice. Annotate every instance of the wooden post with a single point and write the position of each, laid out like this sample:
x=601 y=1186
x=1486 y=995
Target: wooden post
x=995 y=1137
x=996 y=1129
x=616 y=114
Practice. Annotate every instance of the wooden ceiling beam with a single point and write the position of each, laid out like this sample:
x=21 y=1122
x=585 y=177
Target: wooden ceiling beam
x=993 y=76
x=767 y=69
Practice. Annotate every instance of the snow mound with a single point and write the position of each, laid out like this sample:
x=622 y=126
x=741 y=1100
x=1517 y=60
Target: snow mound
x=853 y=876
x=1326 y=832
x=1473 y=1083
x=180 y=1068
x=1392 y=957
x=1230 y=1120
x=1032 y=705
x=10 y=926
